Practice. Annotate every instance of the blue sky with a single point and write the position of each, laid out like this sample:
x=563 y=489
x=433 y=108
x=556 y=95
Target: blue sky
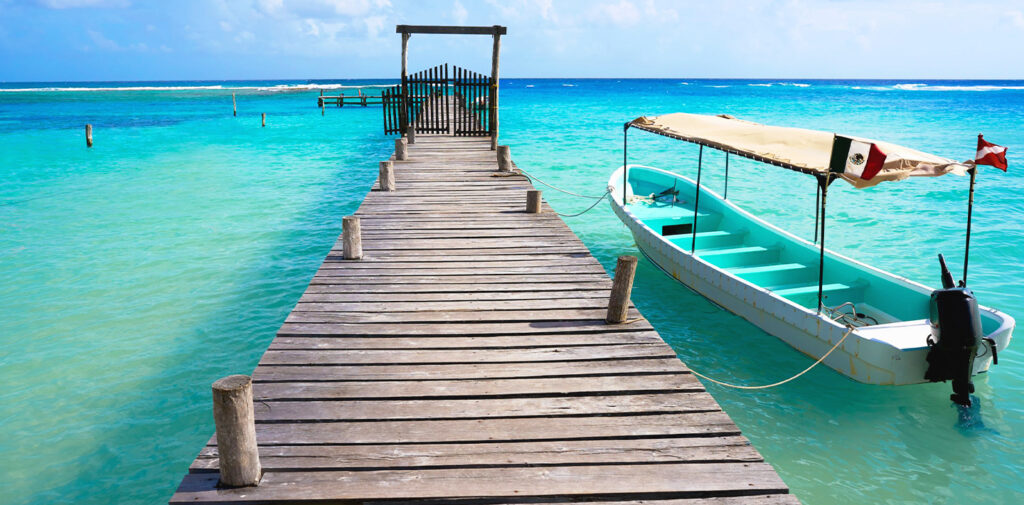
x=61 y=40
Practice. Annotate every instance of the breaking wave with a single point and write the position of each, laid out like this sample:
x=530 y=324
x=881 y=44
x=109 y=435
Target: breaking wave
x=278 y=88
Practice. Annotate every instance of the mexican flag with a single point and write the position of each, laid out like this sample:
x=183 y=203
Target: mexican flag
x=853 y=157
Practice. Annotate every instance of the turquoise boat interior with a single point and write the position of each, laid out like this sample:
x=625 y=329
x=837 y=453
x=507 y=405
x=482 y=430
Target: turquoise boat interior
x=735 y=241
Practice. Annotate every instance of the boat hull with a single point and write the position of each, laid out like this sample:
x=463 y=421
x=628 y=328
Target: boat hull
x=863 y=355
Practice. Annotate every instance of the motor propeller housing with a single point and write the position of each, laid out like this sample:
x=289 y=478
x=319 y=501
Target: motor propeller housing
x=956 y=335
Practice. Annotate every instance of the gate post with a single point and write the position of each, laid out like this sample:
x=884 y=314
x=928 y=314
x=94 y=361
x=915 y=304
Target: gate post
x=494 y=87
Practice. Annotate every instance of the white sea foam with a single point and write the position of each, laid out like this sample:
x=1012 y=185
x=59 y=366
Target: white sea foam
x=568 y=85
x=279 y=88
x=529 y=85
x=927 y=87
x=719 y=86
x=761 y=85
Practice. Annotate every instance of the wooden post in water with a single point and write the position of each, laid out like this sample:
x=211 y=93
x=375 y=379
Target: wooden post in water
x=533 y=201
x=387 y=176
x=494 y=89
x=235 y=422
x=401 y=149
x=88 y=135
x=410 y=134
x=504 y=159
x=264 y=120
x=234 y=105
x=351 y=239
x=622 y=286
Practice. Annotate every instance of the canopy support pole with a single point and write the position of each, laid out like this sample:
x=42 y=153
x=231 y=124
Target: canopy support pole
x=625 y=162
x=823 y=187
x=725 y=195
x=970 y=211
x=817 y=210
x=696 y=200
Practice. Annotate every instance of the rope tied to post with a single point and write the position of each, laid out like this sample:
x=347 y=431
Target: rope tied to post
x=849 y=330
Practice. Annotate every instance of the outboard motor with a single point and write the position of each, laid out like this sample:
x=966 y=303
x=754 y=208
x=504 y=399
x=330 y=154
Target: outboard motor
x=956 y=324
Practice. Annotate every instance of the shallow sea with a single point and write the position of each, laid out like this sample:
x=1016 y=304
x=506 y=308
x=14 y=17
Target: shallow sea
x=135 y=273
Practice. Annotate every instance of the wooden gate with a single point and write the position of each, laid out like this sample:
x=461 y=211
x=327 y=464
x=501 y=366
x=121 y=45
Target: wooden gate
x=434 y=101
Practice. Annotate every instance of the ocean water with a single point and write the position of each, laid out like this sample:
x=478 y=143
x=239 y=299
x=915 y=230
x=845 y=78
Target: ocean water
x=135 y=273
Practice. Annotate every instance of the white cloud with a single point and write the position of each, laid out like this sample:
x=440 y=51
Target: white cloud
x=1016 y=18
x=374 y=25
x=102 y=42
x=459 y=13
x=624 y=13
x=224 y=25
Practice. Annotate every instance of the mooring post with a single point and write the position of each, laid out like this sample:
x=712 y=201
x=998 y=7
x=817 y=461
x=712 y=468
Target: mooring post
x=234 y=105
x=504 y=159
x=387 y=176
x=341 y=99
x=264 y=118
x=533 y=201
x=88 y=135
x=410 y=134
x=401 y=149
x=351 y=239
x=622 y=286
x=235 y=423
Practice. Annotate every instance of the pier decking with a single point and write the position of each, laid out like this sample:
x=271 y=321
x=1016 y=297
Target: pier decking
x=465 y=358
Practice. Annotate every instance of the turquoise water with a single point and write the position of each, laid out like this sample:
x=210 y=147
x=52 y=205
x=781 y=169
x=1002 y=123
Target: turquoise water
x=137 y=272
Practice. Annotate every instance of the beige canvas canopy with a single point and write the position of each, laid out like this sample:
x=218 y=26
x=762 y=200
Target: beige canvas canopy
x=807 y=151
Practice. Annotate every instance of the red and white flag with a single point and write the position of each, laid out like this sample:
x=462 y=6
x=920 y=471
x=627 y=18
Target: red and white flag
x=990 y=154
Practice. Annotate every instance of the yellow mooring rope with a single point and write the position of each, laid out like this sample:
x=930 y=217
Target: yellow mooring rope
x=808 y=369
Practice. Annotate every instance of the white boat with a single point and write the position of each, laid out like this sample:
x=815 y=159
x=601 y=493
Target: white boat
x=796 y=290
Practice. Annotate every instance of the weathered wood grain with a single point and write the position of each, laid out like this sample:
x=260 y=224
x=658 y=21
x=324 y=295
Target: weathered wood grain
x=466 y=358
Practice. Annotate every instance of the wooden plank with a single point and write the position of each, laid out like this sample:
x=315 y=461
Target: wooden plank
x=468 y=329
x=503 y=454
x=426 y=356
x=478 y=297
x=444 y=371
x=662 y=480
x=447 y=316
x=449 y=307
x=485 y=388
x=460 y=342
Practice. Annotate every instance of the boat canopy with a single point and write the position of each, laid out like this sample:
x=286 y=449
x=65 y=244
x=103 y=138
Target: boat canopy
x=807 y=151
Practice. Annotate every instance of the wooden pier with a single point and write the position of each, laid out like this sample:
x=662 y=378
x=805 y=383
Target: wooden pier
x=466 y=358
x=341 y=100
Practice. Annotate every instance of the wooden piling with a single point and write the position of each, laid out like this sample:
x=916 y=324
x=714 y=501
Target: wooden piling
x=234 y=106
x=410 y=134
x=351 y=240
x=235 y=422
x=401 y=149
x=533 y=201
x=387 y=176
x=622 y=287
x=264 y=120
x=504 y=159
x=88 y=135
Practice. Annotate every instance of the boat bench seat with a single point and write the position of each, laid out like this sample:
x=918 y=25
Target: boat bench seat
x=808 y=289
x=833 y=293
x=708 y=239
x=740 y=256
x=775 y=273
